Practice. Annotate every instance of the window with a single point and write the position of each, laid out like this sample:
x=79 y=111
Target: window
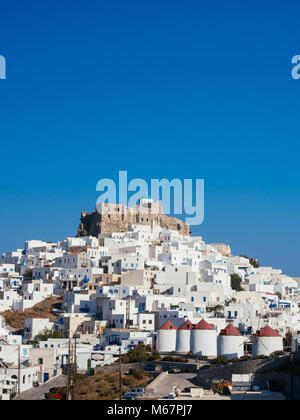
x=40 y=362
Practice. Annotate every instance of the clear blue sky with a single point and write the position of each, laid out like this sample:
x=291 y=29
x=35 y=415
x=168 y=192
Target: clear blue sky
x=193 y=89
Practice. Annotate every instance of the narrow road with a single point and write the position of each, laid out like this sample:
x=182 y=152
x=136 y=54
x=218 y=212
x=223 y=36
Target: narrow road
x=166 y=384
x=39 y=392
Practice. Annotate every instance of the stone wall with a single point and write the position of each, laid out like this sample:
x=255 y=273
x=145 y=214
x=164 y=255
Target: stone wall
x=185 y=367
x=93 y=224
x=277 y=370
x=205 y=377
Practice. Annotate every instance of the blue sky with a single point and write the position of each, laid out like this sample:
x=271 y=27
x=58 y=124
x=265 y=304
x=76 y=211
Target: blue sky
x=160 y=89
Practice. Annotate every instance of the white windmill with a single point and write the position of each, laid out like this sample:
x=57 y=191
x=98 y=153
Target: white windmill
x=265 y=341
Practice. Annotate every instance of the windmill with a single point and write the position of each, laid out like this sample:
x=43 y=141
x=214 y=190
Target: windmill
x=247 y=341
x=266 y=340
x=255 y=337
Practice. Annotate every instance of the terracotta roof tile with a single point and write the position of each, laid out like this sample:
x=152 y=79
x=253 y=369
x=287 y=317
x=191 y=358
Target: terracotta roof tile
x=168 y=325
x=230 y=330
x=203 y=325
x=268 y=332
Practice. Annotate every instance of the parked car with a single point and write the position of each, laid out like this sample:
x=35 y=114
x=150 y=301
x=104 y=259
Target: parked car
x=128 y=396
x=133 y=393
x=55 y=394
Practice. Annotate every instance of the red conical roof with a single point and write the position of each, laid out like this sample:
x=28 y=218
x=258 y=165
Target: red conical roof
x=168 y=325
x=187 y=325
x=230 y=330
x=268 y=332
x=203 y=325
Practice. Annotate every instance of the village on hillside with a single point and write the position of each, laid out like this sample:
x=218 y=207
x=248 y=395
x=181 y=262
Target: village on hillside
x=152 y=300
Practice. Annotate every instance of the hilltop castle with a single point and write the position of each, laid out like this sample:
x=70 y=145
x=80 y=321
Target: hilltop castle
x=111 y=218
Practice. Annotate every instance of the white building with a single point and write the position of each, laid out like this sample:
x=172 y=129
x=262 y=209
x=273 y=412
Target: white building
x=36 y=326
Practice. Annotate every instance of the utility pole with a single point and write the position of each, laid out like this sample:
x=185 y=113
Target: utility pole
x=120 y=374
x=292 y=366
x=75 y=354
x=70 y=373
x=68 y=376
x=19 y=369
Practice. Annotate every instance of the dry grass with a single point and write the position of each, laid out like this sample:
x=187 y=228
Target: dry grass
x=105 y=386
x=16 y=319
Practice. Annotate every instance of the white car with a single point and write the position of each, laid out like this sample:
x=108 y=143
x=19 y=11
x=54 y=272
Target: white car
x=133 y=393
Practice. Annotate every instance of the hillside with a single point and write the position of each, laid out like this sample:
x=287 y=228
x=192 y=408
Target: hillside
x=16 y=319
x=105 y=386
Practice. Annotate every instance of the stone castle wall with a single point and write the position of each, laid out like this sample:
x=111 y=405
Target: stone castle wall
x=118 y=218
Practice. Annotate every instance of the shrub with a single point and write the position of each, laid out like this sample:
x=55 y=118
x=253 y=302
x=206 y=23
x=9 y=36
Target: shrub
x=155 y=355
x=141 y=353
x=261 y=357
x=277 y=354
x=128 y=381
x=46 y=334
x=175 y=359
x=288 y=339
x=139 y=373
x=221 y=360
x=217 y=308
x=244 y=358
x=138 y=354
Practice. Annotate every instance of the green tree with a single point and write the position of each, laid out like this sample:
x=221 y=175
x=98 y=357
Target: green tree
x=138 y=354
x=236 y=282
x=45 y=335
